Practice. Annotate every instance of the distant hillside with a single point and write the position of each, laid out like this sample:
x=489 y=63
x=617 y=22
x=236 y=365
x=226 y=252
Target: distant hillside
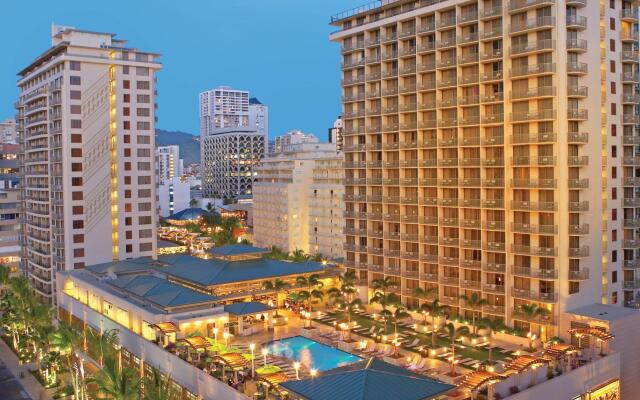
x=189 y=146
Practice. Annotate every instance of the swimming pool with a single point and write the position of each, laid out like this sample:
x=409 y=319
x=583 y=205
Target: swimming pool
x=311 y=353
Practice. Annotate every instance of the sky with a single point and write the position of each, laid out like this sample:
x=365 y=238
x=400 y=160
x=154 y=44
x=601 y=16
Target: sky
x=277 y=49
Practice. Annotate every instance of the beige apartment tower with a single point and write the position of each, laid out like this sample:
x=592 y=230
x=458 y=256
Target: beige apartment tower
x=86 y=120
x=491 y=148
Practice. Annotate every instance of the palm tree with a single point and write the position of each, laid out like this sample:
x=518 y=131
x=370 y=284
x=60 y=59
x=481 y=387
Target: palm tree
x=277 y=285
x=104 y=344
x=383 y=284
x=65 y=340
x=156 y=386
x=193 y=203
x=530 y=312
x=277 y=254
x=436 y=311
x=116 y=383
x=209 y=207
x=474 y=301
x=424 y=294
x=453 y=334
x=314 y=290
x=4 y=275
x=298 y=256
x=344 y=296
x=399 y=313
x=385 y=300
x=491 y=325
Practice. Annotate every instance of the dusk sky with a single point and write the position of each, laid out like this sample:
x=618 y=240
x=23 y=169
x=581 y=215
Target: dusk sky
x=277 y=49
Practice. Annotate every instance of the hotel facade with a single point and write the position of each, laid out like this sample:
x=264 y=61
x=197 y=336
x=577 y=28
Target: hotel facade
x=86 y=122
x=490 y=148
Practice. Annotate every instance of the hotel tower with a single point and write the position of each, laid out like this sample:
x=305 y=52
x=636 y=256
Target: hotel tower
x=492 y=147
x=86 y=118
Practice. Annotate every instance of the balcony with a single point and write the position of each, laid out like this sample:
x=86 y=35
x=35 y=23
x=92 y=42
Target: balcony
x=496 y=32
x=577 y=68
x=535 y=273
x=534 y=251
x=533 y=69
x=582 y=183
x=578 y=206
x=491 y=55
x=580 y=275
x=533 y=47
x=546 y=22
x=408 y=32
x=428 y=27
x=446 y=42
x=630 y=77
x=576 y=22
x=535 y=296
x=577 y=45
x=534 y=92
x=533 y=228
x=446 y=22
x=631 y=284
x=579 y=252
x=522 y=5
x=578 y=137
x=578 y=161
x=491 y=12
x=577 y=91
x=631 y=119
x=537 y=115
x=629 y=14
x=493 y=288
x=534 y=183
x=548 y=319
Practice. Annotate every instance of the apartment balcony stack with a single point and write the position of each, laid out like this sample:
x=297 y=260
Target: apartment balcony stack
x=483 y=151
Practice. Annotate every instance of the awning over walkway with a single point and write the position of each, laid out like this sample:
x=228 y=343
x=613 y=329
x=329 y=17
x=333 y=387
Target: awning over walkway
x=165 y=327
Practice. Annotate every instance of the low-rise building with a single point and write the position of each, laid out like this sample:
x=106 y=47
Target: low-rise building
x=173 y=195
x=8 y=131
x=297 y=200
x=293 y=137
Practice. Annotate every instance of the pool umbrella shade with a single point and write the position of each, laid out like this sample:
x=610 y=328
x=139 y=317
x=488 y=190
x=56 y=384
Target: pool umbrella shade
x=165 y=327
x=477 y=379
x=235 y=361
x=523 y=362
x=197 y=342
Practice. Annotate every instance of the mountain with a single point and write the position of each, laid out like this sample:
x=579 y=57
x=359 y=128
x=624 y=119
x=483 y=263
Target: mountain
x=189 y=144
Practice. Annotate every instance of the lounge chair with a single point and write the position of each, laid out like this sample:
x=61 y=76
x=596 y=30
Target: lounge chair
x=412 y=344
x=419 y=366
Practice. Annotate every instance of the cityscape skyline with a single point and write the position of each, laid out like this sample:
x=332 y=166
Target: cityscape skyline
x=182 y=79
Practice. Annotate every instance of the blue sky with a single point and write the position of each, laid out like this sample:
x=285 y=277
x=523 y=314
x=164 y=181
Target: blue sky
x=277 y=49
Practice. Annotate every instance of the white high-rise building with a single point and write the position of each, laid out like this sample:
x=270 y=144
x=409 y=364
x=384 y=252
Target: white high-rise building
x=258 y=116
x=169 y=163
x=233 y=140
x=86 y=119
x=174 y=195
x=491 y=148
x=8 y=131
x=335 y=133
x=298 y=200
x=295 y=136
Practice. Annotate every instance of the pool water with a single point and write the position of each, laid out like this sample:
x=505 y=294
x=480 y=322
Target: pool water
x=311 y=353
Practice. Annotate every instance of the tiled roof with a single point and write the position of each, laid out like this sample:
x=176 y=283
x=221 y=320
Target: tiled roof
x=371 y=379
x=188 y=214
x=236 y=250
x=246 y=308
x=159 y=291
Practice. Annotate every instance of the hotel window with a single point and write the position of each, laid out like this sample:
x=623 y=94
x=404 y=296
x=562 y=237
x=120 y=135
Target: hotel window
x=76 y=196
x=142 y=85
x=78 y=238
x=76 y=152
x=75 y=109
x=76 y=124
x=75 y=95
x=126 y=84
x=574 y=287
x=614 y=276
x=74 y=80
x=128 y=248
x=146 y=247
x=78 y=224
x=74 y=66
x=78 y=253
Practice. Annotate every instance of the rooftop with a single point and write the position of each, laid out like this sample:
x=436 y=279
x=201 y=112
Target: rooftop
x=188 y=214
x=160 y=291
x=371 y=379
x=604 y=312
x=247 y=308
x=237 y=250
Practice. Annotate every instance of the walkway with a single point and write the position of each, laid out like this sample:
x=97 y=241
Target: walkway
x=29 y=383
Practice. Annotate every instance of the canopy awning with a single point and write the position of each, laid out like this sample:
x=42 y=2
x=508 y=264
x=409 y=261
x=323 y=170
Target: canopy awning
x=197 y=342
x=558 y=350
x=234 y=361
x=523 y=362
x=477 y=379
x=598 y=333
x=166 y=327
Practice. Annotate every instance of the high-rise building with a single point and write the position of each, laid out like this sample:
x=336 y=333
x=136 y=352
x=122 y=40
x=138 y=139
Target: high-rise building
x=9 y=207
x=258 y=116
x=174 y=195
x=169 y=162
x=8 y=131
x=490 y=148
x=335 y=133
x=232 y=138
x=297 y=200
x=295 y=136
x=228 y=161
x=86 y=118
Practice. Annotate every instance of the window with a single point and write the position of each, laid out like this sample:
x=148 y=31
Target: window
x=126 y=111
x=574 y=287
x=614 y=276
x=75 y=95
x=146 y=247
x=614 y=256
x=78 y=265
x=144 y=220
x=126 y=98
x=126 y=138
x=614 y=173
x=127 y=166
x=144 y=166
x=144 y=180
x=614 y=129
x=79 y=238
x=614 y=214
x=144 y=233
x=142 y=85
x=142 y=71
x=612 y=24
x=77 y=210
x=75 y=109
x=127 y=207
x=74 y=65
x=76 y=195
x=614 y=235
x=613 y=87
x=126 y=84
x=144 y=153
x=144 y=206
x=127 y=152
x=76 y=152
x=143 y=139
x=614 y=151
x=76 y=124
x=613 y=109
x=74 y=80
x=78 y=252
x=127 y=194
x=78 y=224
x=614 y=193
x=128 y=235
x=614 y=298
x=612 y=45
x=76 y=138
x=143 y=112
x=143 y=126
x=144 y=193
x=76 y=181
x=126 y=125
x=125 y=69
x=128 y=248
x=127 y=180
x=127 y=221
x=143 y=98
x=76 y=167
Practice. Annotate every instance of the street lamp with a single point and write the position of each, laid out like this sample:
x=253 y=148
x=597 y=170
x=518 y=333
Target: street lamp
x=296 y=365
x=226 y=338
x=215 y=335
x=252 y=347
x=264 y=355
x=313 y=372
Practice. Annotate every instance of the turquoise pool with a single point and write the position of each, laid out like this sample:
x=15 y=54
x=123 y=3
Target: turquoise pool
x=311 y=353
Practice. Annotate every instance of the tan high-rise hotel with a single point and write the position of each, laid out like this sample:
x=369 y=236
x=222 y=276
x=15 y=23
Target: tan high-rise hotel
x=491 y=148
x=86 y=120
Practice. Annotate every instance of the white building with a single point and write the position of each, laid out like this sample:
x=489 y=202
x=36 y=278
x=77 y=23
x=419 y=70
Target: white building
x=169 y=163
x=8 y=131
x=258 y=116
x=86 y=123
x=297 y=200
x=295 y=136
x=231 y=141
x=173 y=195
x=335 y=133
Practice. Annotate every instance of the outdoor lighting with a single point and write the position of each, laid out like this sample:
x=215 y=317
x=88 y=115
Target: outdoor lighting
x=490 y=369
x=296 y=366
x=313 y=372
x=226 y=338
x=215 y=335
x=252 y=347
x=264 y=354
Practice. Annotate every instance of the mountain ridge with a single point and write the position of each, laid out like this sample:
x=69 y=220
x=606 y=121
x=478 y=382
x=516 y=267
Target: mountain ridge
x=189 y=144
